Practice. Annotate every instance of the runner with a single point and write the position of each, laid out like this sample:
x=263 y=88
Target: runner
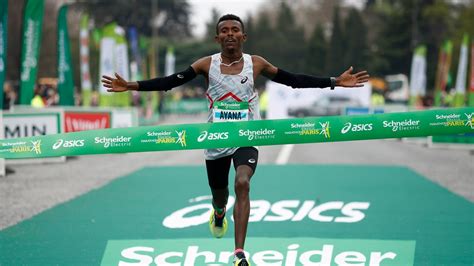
x=230 y=77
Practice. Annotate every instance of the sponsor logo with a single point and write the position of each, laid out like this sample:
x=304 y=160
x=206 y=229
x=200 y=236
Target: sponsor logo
x=181 y=138
x=23 y=147
x=309 y=128
x=451 y=116
x=305 y=125
x=68 y=143
x=356 y=127
x=18 y=143
x=118 y=141
x=244 y=80
x=166 y=137
x=470 y=120
x=266 y=211
x=451 y=120
x=180 y=76
x=158 y=134
x=407 y=124
x=205 y=135
x=252 y=160
x=279 y=251
x=263 y=133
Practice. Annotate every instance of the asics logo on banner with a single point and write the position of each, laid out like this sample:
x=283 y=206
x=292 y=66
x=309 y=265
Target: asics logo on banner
x=213 y=136
x=68 y=143
x=244 y=80
x=356 y=127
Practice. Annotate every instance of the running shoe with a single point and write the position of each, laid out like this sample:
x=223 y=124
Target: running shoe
x=218 y=224
x=240 y=260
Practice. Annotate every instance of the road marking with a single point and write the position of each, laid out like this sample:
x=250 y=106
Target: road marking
x=284 y=154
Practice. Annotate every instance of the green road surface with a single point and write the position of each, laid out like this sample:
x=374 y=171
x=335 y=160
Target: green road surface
x=301 y=214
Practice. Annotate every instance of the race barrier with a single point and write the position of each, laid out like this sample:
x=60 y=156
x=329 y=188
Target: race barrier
x=240 y=134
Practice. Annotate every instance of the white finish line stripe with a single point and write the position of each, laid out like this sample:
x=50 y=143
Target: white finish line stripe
x=284 y=154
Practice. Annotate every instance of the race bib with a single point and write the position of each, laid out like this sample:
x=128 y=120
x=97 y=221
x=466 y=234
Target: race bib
x=230 y=111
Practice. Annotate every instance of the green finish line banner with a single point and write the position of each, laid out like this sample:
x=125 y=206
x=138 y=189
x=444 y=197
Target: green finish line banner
x=241 y=134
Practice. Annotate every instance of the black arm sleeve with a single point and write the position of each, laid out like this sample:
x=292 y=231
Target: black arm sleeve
x=167 y=83
x=301 y=80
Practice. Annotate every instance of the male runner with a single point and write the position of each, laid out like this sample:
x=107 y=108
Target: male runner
x=230 y=77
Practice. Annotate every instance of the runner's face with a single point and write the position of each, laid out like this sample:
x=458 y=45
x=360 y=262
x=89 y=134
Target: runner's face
x=230 y=35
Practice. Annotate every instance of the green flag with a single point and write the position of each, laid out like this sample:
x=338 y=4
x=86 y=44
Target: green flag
x=86 y=84
x=461 y=78
x=65 y=77
x=471 y=84
x=32 y=23
x=3 y=45
x=418 y=75
x=442 y=74
x=107 y=61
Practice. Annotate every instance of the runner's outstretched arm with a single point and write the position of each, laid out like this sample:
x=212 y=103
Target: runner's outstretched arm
x=346 y=79
x=118 y=84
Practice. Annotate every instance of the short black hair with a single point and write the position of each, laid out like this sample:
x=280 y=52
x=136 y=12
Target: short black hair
x=229 y=17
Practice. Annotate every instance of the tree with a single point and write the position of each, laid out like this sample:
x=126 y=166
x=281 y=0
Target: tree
x=357 y=50
x=176 y=24
x=289 y=39
x=317 y=49
x=336 y=51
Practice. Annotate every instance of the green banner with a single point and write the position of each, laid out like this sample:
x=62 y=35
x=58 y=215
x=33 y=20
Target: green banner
x=32 y=23
x=65 y=74
x=3 y=44
x=241 y=134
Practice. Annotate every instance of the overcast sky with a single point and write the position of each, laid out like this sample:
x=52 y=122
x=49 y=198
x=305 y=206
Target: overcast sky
x=201 y=10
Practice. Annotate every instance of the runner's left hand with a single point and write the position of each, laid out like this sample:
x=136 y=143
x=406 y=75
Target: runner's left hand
x=347 y=79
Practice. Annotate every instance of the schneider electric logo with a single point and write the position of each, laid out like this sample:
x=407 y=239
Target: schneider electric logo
x=407 y=124
x=197 y=212
x=60 y=143
x=205 y=135
x=265 y=251
x=263 y=133
x=356 y=127
x=118 y=141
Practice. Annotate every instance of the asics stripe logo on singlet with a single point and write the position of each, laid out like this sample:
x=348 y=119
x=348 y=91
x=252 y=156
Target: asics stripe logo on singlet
x=244 y=80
